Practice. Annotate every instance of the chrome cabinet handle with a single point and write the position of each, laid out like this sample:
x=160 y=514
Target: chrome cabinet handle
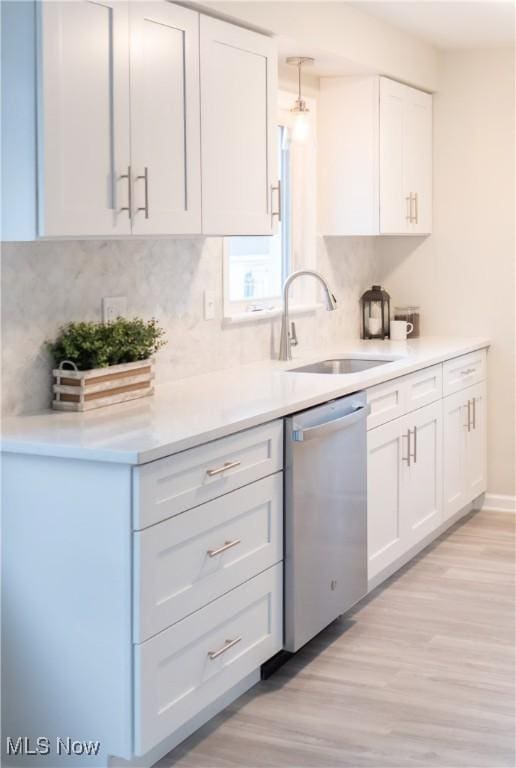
x=474 y=406
x=220 y=470
x=469 y=415
x=467 y=372
x=278 y=189
x=129 y=206
x=145 y=178
x=227 y=645
x=466 y=425
x=408 y=200
x=227 y=545
x=414 y=455
x=408 y=456
x=416 y=208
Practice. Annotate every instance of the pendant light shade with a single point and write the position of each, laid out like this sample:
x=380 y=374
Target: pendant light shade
x=301 y=131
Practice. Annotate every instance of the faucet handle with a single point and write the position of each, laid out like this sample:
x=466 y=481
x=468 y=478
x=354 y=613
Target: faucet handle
x=293 y=335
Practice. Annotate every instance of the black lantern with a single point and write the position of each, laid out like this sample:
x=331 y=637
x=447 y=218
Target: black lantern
x=376 y=312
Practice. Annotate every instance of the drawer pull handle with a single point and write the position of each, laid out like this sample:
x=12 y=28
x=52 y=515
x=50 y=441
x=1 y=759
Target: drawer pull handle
x=227 y=545
x=227 y=645
x=220 y=470
x=467 y=371
x=474 y=405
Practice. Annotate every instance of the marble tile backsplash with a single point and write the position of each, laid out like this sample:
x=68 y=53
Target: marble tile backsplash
x=47 y=284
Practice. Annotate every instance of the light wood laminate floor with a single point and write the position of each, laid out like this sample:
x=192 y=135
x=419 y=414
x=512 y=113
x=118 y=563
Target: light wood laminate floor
x=421 y=673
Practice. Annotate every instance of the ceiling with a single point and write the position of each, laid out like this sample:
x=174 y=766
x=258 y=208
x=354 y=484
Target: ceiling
x=449 y=24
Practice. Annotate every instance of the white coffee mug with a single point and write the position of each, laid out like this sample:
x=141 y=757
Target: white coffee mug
x=374 y=325
x=400 y=329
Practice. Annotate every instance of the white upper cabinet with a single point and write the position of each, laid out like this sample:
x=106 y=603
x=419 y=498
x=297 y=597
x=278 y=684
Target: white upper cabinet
x=126 y=93
x=375 y=157
x=165 y=119
x=83 y=142
x=405 y=159
x=238 y=117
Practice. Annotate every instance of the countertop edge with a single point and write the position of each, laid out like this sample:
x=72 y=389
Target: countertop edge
x=38 y=447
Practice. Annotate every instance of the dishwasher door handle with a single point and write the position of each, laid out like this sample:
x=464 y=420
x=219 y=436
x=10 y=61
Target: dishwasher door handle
x=326 y=427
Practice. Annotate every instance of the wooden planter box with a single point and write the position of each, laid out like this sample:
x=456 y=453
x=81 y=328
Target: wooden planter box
x=84 y=390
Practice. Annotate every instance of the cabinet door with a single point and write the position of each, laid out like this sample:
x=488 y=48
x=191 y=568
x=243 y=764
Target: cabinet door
x=394 y=203
x=165 y=115
x=455 y=424
x=386 y=478
x=424 y=483
x=405 y=159
x=239 y=137
x=476 y=443
x=417 y=154
x=84 y=118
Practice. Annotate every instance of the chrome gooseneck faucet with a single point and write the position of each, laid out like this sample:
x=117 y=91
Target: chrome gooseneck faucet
x=288 y=339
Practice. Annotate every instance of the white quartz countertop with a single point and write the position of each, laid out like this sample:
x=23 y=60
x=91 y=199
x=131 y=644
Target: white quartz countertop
x=193 y=411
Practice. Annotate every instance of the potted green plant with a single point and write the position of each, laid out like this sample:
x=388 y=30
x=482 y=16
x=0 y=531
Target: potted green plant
x=98 y=364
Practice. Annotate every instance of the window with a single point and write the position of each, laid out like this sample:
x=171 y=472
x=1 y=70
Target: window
x=256 y=267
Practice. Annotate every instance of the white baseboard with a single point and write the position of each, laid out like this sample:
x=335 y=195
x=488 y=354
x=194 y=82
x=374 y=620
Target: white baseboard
x=495 y=502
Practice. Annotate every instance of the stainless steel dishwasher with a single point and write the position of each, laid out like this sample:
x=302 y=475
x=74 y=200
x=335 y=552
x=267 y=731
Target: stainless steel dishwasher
x=325 y=515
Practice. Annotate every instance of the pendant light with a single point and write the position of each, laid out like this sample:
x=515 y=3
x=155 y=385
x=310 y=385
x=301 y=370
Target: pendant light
x=301 y=130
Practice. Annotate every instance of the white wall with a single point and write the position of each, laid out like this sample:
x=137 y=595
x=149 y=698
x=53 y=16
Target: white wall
x=463 y=276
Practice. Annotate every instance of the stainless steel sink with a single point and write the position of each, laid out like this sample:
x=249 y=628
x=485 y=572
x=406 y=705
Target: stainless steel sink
x=340 y=365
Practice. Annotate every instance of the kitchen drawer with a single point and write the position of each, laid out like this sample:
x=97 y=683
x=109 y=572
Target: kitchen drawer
x=386 y=402
x=176 y=568
x=423 y=387
x=169 y=486
x=394 y=398
x=463 y=371
x=185 y=668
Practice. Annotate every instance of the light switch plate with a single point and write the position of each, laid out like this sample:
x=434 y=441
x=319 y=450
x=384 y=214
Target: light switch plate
x=113 y=307
x=209 y=305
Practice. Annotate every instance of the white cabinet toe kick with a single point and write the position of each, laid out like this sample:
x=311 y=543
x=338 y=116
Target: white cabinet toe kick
x=152 y=594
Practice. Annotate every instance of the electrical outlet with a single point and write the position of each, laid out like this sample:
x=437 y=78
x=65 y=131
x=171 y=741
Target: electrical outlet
x=209 y=305
x=113 y=307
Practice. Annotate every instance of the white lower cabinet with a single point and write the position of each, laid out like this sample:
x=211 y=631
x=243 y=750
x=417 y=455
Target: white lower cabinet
x=207 y=576
x=386 y=477
x=476 y=443
x=464 y=447
x=424 y=472
x=454 y=453
x=404 y=484
x=186 y=667
x=427 y=455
